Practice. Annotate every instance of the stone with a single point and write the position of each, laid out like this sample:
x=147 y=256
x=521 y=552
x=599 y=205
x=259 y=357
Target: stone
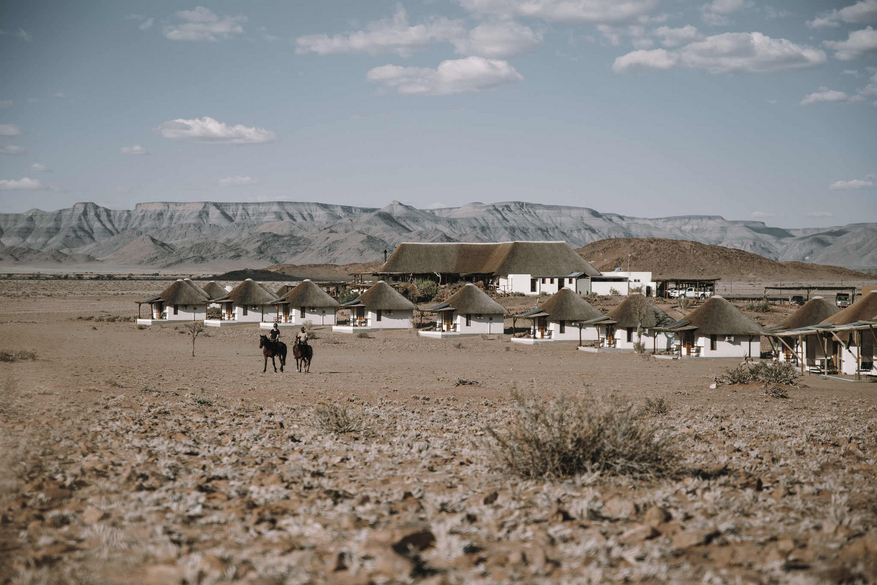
x=490 y=498
x=693 y=538
x=619 y=508
x=658 y=515
x=558 y=514
x=165 y=575
x=212 y=564
x=414 y=543
x=93 y=515
x=639 y=533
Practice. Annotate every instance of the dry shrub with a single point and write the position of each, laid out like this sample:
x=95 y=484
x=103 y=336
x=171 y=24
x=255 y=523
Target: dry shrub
x=18 y=355
x=639 y=347
x=363 y=335
x=465 y=382
x=759 y=307
x=760 y=373
x=571 y=435
x=339 y=419
x=776 y=392
x=656 y=406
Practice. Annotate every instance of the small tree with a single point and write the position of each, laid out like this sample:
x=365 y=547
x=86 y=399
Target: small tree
x=639 y=309
x=684 y=303
x=195 y=328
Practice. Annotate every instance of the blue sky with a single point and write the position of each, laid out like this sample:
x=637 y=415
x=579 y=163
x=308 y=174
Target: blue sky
x=650 y=108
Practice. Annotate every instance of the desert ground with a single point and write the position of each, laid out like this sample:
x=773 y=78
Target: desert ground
x=123 y=459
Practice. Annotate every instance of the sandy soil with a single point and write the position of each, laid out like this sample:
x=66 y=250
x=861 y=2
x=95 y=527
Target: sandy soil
x=126 y=460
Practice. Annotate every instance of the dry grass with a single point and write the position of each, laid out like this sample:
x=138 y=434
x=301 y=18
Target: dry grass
x=655 y=406
x=18 y=355
x=760 y=373
x=339 y=419
x=570 y=435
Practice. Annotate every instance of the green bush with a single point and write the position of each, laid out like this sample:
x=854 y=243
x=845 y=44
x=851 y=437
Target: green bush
x=428 y=288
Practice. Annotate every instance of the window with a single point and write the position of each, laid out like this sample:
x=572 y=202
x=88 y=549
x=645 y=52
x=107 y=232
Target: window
x=543 y=281
x=176 y=309
x=389 y=312
x=378 y=315
x=550 y=281
x=532 y=285
x=713 y=342
x=562 y=326
x=245 y=310
x=301 y=312
x=468 y=320
x=629 y=334
x=479 y=316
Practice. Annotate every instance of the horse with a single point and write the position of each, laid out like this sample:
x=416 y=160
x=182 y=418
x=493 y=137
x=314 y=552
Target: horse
x=303 y=354
x=271 y=349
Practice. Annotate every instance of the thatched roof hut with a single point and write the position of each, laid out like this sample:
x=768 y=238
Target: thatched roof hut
x=566 y=305
x=535 y=258
x=717 y=317
x=814 y=311
x=248 y=292
x=183 y=293
x=283 y=289
x=865 y=309
x=624 y=314
x=307 y=294
x=214 y=291
x=382 y=297
x=471 y=300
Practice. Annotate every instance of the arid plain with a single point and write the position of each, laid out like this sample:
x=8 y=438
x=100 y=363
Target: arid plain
x=126 y=460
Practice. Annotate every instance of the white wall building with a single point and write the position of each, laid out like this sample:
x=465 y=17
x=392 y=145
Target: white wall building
x=248 y=302
x=380 y=307
x=305 y=304
x=624 y=283
x=469 y=311
x=558 y=319
x=716 y=329
x=181 y=301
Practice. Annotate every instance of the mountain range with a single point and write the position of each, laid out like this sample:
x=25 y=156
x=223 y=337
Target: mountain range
x=205 y=235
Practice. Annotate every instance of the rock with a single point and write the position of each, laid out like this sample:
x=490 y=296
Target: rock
x=749 y=481
x=93 y=515
x=165 y=575
x=414 y=543
x=619 y=508
x=558 y=514
x=212 y=564
x=658 y=515
x=490 y=498
x=639 y=533
x=692 y=538
x=393 y=567
x=517 y=557
x=57 y=493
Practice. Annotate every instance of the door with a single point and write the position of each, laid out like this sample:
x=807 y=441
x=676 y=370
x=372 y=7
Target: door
x=286 y=313
x=688 y=341
x=542 y=325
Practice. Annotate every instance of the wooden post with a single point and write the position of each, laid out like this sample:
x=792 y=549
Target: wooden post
x=654 y=342
x=803 y=352
x=580 y=334
x=139 y=306
x=824 y=354
x=858 y=354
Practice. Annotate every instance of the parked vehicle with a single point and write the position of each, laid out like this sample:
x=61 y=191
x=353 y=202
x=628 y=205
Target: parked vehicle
x=797 y=300
x=689 y=293
x=842 y=299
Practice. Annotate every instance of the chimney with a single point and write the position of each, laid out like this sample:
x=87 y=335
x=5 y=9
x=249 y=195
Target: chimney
x=385 y=256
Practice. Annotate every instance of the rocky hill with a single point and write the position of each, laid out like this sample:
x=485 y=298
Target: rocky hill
x=669 y=258
x=206 y=235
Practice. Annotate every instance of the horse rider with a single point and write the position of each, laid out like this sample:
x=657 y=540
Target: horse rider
x=275 y=334
x=302 y=337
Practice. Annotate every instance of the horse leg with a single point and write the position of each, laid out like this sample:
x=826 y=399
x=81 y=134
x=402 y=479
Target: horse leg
x=282 y=361
x=265 y=369
x=273 y=363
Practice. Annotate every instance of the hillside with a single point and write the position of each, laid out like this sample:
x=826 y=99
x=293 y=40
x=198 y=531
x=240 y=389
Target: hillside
x=209 y=236
x=668 y=258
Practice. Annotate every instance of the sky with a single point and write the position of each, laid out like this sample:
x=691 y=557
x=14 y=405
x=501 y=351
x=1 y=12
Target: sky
x=751 y=110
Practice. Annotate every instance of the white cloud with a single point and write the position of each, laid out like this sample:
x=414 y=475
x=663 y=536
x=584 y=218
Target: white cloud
x=498 y=39
x=39 y=167
x=263 y=31
x=207 y=129
x=469 y=75
x=238 y=181
x=579 y=11
x=853 y=72
x=637 y=34
x=135 y=150
x=870 y=89
x=387 y=36
x=870 y=182
x=864 y=12
x=716 y=12
x=12 y=149
x=673 y=37
x=819 y=214
x=9 y=130
x=726 y=53
x=825 y=95
x=202 y=24
x=22 y=34
x=23 y=184
x=5 y=104
x=146 y=24
x=860 y=43
x=762 y=214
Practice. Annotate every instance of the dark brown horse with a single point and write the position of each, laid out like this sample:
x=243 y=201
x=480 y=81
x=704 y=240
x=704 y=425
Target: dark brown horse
x=303 y=354
x=271 y=349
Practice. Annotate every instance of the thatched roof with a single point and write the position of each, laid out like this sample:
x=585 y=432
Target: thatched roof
x=624 y=317
x=308 y=294
x=250 y=292
x=383 y=297
x=283 y=289
x=536 y=258
x=865 y=309
x=413 y=291
x=566 y=305
x=814 y=311
x=183 y=293
x=719 y=317
x=214 y=291
x=471 y=300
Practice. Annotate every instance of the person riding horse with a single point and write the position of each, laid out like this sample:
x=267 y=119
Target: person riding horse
x=302 y=337
x=275 y=334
